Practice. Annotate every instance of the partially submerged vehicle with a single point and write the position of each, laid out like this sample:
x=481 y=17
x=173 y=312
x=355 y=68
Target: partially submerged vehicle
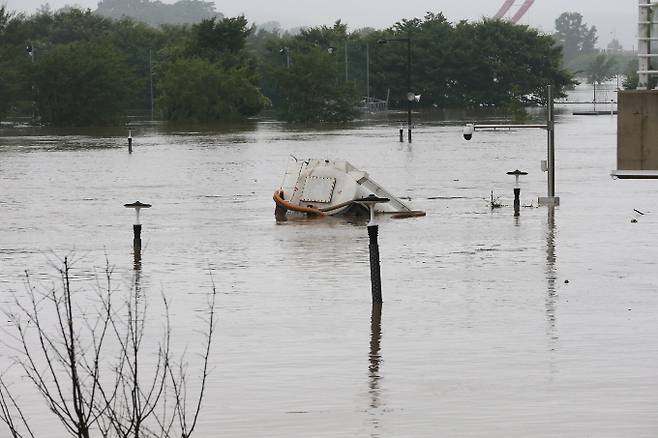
x=331 y=187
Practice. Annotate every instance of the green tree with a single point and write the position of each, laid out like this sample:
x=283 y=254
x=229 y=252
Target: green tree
x=575 y=37
x=601 y=68
x=309 y=89
x=210 y=76
x=139 y=45
x=214 y=37
x=15 y=66
x=198 y=90
x=491 y=62
x=82 y=84
x=632 y=79
x=6 y=78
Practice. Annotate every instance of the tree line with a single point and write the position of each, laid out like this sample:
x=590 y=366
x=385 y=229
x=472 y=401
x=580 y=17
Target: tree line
x=75 y=67
x=582 y=57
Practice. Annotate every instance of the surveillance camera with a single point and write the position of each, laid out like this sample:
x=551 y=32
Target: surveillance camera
x=468 y=131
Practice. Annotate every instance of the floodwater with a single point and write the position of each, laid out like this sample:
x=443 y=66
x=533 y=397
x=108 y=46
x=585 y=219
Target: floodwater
x=542 y=325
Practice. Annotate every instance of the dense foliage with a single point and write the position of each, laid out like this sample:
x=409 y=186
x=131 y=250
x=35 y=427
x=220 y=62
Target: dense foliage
x=75 y=67
x=81 y=84
x=15 y=89
x=210 y=77
x=464 y=64
x=199 y=90
x=601 y=68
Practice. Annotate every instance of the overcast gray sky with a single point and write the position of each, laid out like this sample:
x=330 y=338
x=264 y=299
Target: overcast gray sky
x=612 y=17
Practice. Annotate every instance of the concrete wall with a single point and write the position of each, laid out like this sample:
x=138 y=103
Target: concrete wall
x=637 y=130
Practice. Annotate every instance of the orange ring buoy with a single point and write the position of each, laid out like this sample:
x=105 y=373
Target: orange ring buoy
x=278 y=199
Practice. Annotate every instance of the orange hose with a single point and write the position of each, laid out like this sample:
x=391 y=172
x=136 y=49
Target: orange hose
x=278 y=199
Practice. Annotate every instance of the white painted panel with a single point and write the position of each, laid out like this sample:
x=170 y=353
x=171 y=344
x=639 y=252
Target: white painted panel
x=318 y=189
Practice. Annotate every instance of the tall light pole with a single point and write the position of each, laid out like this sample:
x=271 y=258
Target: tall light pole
x=367 y=73
x=151 y=83
x=346 y=63
x=547 y=166
x=410 y=94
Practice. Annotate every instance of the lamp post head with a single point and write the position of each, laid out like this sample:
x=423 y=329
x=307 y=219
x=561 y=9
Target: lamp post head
x=517 y=173
x=137 y=206
x=369 y=202
x=468 y=131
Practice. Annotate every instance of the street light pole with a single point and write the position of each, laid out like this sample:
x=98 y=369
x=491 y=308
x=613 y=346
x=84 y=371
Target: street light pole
x=409 y=87
x=346 y=63
x=151 y=83
x=548 y=165
x=550 y=127
x=368 y=73
x=410 y=94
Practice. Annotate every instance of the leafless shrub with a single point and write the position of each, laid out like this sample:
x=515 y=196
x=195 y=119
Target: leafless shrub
x=91 y=393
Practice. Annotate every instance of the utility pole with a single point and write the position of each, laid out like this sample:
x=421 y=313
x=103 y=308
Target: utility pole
x=550 y=129
x=367 y=72
x=346 y=64
x=151 y=83
x=410 y=95
x=409 y=99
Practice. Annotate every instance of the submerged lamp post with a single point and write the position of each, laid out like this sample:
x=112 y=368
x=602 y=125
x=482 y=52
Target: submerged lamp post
x=410 y=95
x=137 y=226
x=517 y=190
x=547 y=165
x=375 y=277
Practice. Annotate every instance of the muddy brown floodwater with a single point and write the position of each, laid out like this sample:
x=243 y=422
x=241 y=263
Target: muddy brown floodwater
x=543 y=325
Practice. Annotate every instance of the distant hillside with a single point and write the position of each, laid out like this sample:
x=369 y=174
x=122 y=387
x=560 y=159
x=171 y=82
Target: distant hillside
x=157 y=12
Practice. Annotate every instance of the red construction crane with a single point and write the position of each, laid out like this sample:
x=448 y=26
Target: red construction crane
x=507 y=5
x=503 y=9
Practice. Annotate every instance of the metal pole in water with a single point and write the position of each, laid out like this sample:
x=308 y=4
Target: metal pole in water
x=401 y=135
x=517 y=191
x=550 y=198
x=137 y=227
x=550 y=122
x=130 y=142
x=137 y=237
x=409 y=86
x=517 y=201
x=375 y=275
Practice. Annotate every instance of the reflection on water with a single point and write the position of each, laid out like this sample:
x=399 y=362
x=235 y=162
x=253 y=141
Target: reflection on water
x=551 y=278
x=551 y=291
x=551 y=271
x=137 y=268
x=375 y=359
